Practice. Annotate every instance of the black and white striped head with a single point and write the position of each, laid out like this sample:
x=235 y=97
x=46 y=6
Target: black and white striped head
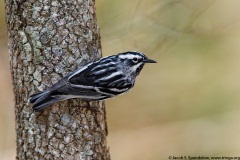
x=134 y=61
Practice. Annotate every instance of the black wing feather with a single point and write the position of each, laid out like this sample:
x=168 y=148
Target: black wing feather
x=84 y=77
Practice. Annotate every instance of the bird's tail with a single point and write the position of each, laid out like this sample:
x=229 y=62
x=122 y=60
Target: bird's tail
x=43 y=99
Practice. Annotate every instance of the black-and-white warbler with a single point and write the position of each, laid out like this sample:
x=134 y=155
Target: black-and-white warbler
x=102 y=79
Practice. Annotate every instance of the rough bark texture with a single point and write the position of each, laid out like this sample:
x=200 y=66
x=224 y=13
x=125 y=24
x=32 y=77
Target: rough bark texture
x=47 y=40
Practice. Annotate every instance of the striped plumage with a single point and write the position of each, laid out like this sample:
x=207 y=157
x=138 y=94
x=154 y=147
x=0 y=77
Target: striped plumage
x=102 y=79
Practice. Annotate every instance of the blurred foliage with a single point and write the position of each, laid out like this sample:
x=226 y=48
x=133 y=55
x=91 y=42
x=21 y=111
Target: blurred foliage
x=187 y=103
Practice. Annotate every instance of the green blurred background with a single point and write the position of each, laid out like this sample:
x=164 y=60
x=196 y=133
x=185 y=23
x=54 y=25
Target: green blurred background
x=185 y=105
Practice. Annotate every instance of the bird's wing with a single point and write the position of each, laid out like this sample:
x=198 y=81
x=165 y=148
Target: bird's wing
x=65 y=79
x=58 y=85
x=100 y=79
x=78 y=91
x=82 y=76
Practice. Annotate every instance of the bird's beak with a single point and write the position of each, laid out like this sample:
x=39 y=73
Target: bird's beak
x=149 y=61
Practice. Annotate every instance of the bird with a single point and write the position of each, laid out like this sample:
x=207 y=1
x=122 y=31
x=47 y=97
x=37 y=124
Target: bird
x=97 y=80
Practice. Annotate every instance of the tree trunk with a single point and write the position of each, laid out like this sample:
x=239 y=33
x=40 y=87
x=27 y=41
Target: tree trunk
x=47 y=40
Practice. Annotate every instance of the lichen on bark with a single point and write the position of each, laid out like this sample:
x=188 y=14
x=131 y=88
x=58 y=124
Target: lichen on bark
x=47 y=40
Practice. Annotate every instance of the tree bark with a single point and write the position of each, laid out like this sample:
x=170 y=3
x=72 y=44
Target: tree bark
x=47 y=40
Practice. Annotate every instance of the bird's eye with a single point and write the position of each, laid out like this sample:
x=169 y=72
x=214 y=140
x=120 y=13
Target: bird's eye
x=135 y=60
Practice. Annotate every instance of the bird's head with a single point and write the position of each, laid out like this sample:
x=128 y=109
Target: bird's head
x=134 y=61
